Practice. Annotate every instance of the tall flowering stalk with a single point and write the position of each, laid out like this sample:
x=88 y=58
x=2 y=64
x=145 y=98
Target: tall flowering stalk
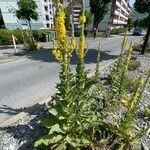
x=125 y=70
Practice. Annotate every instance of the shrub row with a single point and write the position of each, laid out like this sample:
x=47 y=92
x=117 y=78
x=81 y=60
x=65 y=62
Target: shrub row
x=6 y=36
x=118 y=30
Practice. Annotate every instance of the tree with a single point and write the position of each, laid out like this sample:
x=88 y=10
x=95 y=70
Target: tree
x=1 y=20
x=130 y=23
x=143 y=6
x=98 y=8
x=136 y=23
x=89 y=18
x=27 y=10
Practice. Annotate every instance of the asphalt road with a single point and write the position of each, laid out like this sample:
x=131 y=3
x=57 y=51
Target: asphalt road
x=28 y=79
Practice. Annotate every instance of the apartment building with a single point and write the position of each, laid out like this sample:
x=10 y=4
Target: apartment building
x=116 y=16
x=45 y=10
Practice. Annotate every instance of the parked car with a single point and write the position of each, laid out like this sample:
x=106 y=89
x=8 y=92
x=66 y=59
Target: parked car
x=77 y=31
x=137 y=31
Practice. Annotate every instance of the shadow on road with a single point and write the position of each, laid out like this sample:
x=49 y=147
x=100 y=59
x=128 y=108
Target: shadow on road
x=24 y=133
x=91 y=55
x=8 y=110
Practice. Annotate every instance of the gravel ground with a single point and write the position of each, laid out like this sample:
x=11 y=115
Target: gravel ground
x=22 y=135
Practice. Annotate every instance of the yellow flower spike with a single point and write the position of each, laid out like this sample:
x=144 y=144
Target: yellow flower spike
x=57 y=54
x=82 y=20
x=141 y=81
x=61 y=30
x=81 y=47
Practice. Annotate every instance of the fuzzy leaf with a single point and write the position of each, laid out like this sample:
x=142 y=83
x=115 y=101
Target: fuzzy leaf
x=56 y=128
x=53 y=111
x=61 y=147
x=48 y=139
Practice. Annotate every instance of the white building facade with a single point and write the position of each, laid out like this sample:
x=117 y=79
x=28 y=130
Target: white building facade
x=116 y=16
x=45 y=10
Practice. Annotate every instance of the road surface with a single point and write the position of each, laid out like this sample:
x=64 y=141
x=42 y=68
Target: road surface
x=26 y=80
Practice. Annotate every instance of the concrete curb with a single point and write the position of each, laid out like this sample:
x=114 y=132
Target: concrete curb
x=45 y=101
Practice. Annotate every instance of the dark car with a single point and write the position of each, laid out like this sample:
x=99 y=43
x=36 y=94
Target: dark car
x=137 y=31
x=77 y=31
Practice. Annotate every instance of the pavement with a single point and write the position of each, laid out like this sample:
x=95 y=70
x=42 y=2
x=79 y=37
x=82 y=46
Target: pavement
x=26 y=80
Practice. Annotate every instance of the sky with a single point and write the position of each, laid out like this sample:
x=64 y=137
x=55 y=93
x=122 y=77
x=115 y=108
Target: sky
x=132 y=2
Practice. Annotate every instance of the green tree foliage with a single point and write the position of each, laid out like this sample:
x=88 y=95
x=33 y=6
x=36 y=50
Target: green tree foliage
x=136 y=23
x=98 y=8
x=143 y=6
x=89 y=18
x=130 y=22
x=27 y=10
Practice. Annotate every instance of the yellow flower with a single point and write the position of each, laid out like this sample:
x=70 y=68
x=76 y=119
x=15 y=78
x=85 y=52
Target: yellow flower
x=140 y=81
x=130 y=49
x=72 y=45
x=61 y=30
x=80 y=52
x=128 y=58
x=82 y=19
x=127 y=63
x=57 y=54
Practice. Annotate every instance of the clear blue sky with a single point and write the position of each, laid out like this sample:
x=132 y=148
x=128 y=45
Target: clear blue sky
x=132 y=2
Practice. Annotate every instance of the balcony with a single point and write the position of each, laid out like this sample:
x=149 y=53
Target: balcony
x=125 y=3
x=123 y=16
x=119 y=22
x=118 y=4
x=117 y=13
x=124 y=10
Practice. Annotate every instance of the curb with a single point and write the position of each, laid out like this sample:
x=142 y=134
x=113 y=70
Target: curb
x=45 y=101
x=7 y=60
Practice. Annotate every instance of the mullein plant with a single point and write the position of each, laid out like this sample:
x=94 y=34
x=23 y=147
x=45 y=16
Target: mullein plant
x=126 y=133
x=29 y=42
x=120 y=73
x=76 y=120
x=73 y=114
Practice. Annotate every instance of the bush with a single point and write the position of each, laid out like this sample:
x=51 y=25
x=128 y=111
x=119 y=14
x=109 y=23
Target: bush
x=5 y=37
x=118 y=30
x=39 y=35
x=18 y=34
x=134 y=64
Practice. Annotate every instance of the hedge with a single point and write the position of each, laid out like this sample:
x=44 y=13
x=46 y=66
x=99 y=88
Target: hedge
x=118 y=30
x=6 y=36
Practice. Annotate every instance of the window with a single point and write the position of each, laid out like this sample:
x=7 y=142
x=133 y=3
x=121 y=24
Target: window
x=47 y=25
x=45 y=0
x=47 y=17
x=46 y=8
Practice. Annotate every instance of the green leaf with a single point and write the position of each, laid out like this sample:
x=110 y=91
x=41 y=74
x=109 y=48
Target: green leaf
x=48 y=139
x=61 y=147
x=53 y=111
x=56 y=128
